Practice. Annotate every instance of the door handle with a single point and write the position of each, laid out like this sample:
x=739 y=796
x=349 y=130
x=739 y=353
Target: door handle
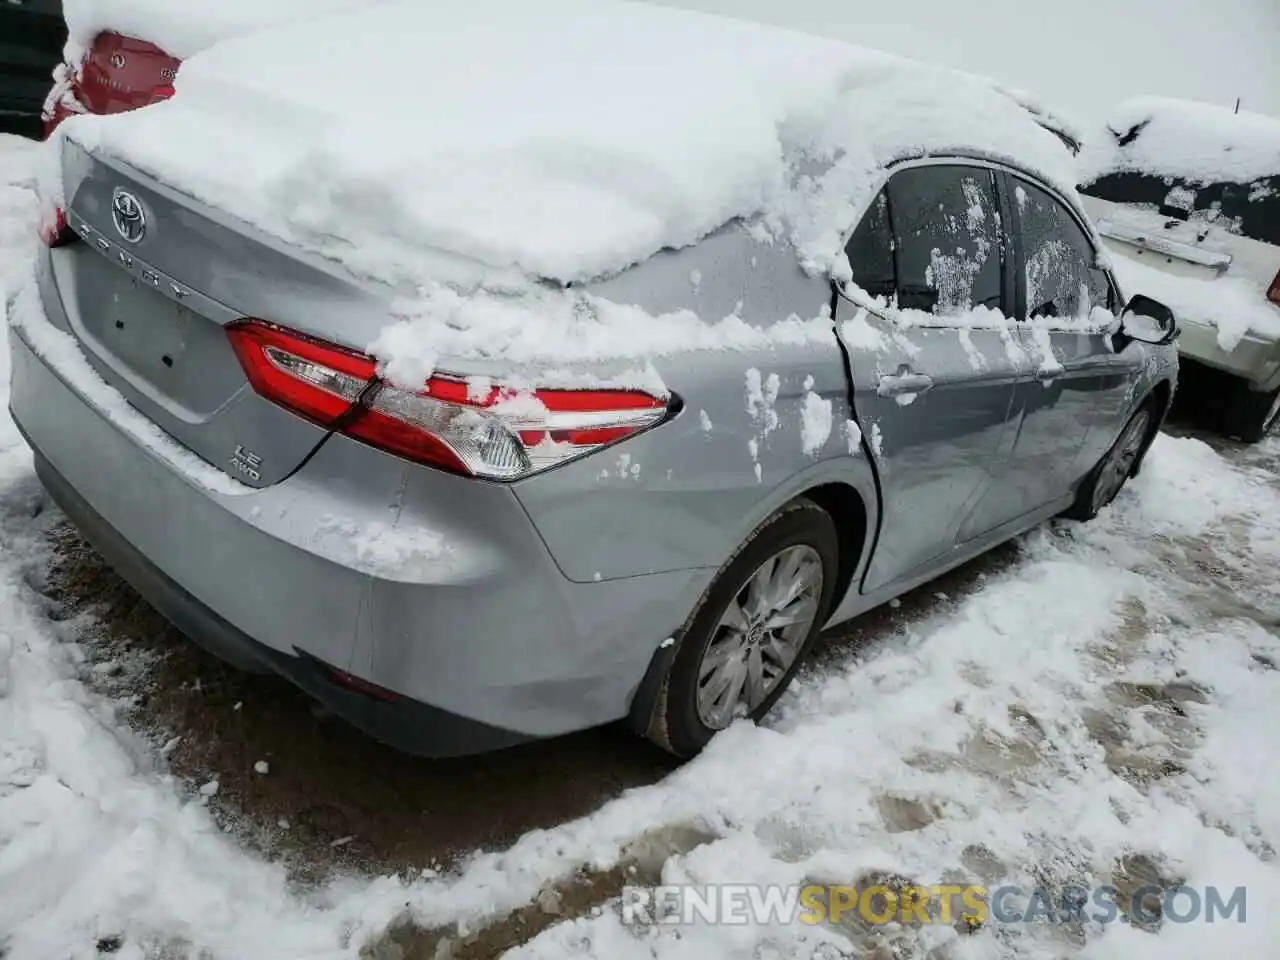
x=904 y=382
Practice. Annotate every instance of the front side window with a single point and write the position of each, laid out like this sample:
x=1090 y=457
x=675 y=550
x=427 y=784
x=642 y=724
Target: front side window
x=947 y=238
x=1059 y=262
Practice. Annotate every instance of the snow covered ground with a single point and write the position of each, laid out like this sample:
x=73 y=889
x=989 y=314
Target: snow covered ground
x=1107 y=701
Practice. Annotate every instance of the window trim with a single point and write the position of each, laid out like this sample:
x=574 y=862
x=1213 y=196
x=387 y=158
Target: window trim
x=1000 y=170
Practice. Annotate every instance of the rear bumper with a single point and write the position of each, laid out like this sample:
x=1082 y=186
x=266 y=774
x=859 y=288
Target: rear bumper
x=1254 y=359
x=486 y=643
x=403 y=723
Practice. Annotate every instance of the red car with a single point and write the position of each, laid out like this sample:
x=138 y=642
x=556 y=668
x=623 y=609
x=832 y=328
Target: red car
x=117 y=74
x=125 y=55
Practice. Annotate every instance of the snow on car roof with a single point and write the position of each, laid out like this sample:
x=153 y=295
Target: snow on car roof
x=184 y=28
x=568 y=138
x=1199 y=142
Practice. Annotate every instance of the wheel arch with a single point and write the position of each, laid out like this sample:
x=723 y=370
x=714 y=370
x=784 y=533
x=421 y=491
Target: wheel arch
x=848 y=512
x=852 y=516
x=1161 y=396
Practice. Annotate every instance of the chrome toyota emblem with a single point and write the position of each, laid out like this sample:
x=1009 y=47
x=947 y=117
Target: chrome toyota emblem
x=118 y=61
x=127 y=215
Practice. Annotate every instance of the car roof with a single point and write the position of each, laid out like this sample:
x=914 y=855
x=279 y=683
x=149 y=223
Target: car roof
x=568 y=138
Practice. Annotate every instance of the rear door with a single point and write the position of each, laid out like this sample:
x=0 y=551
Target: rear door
x=932 y=392
x=1068 y=411
x=32 y=35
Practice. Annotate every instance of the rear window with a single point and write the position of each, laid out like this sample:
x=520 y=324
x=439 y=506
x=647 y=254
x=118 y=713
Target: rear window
x=1248 y=209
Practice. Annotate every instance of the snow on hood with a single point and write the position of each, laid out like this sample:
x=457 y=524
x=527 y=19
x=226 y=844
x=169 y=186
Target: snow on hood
x=182 y=28
x=567 y=139
x=1199 y=142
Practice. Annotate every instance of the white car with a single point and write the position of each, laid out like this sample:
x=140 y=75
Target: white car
x=1187 y=196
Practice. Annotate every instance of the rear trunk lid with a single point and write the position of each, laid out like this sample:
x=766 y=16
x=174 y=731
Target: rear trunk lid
x=149 y=291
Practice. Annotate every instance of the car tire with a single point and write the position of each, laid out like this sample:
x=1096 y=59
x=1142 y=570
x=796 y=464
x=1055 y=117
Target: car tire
x=728 y=632
x=1108 y=478
x=1250 y=414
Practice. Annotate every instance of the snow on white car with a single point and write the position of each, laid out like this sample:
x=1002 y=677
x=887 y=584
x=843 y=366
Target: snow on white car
x=1187 y=196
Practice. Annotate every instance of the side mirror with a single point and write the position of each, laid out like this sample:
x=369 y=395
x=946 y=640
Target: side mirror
x=1148 y=321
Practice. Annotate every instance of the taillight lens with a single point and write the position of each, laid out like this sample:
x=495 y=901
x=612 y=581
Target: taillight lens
x=1273 y=294
x=314 y=379
x=54 y=230
x=493 y=432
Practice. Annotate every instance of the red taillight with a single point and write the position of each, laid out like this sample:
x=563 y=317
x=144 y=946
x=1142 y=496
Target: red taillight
x=314 y=379
x=1273 y=294
x=54 y=230
x=163 y=92
x=486 y=431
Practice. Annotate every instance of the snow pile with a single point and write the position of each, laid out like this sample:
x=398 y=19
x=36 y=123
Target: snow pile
x=18 y=215
x=528 y=136
x=1197 y=142
x=1236 y=307
x=541 y=328
x=17 y=212
x=184 y=29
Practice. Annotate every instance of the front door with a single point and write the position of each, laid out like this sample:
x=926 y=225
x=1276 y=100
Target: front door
x=934 y=363
x=1068 y=410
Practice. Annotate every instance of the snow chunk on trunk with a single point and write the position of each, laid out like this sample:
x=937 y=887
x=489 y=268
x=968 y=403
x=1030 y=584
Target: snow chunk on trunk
x=549 y=330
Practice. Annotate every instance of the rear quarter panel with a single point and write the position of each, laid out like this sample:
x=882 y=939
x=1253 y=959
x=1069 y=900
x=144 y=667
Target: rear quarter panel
x=689 y=491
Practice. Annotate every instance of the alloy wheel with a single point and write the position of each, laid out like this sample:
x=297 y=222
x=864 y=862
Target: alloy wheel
x=1120 y=461
x=759 y=635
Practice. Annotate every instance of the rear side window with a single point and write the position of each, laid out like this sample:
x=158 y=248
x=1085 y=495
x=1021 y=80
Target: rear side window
x=1247 y=209
x=870 y=250
x=947 y=239
x=1059 y=263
